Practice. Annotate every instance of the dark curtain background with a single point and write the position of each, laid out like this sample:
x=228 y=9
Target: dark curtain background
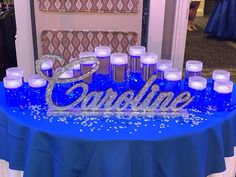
x=7 y=41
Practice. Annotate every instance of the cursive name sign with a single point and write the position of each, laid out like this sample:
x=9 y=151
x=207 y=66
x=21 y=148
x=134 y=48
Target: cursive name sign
x=149 y=98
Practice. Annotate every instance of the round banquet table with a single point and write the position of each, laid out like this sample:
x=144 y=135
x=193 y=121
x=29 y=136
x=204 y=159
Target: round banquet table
x=44 y=146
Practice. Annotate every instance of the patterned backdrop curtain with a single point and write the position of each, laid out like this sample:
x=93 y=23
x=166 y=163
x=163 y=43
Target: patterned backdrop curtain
x=109 y=6
x=68 y=44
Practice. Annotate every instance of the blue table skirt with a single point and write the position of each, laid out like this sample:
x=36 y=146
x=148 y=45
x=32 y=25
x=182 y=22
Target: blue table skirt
x=65 y=147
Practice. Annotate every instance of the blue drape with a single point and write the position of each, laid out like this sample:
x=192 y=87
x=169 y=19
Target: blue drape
x=222 y=22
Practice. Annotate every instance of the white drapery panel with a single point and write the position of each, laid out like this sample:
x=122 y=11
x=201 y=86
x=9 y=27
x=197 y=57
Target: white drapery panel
x=6 y=172
x=229 y=161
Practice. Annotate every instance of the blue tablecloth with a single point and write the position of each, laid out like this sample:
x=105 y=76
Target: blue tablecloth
x=45 y=146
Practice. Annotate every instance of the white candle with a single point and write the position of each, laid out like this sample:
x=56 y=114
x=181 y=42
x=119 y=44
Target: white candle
x=164 y=64
x=102 y=51
x=15 y=72
x=103 y=54
x=136 y=50
x=35 y=81
x=220 y=75
x=66 y=75
x=119 y=59
x=224 y=87
x=148 y=65
x=86 y=55
x=173 y=74
x=119 y=67
x=197 y=83
x=12 y=82
x=194 y=66
x=75 y=67
x=135 y=53
x=47 y=65
x=149 y=58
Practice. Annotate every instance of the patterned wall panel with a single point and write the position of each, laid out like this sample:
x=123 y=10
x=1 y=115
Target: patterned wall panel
x=70 y=43
x=109 y=6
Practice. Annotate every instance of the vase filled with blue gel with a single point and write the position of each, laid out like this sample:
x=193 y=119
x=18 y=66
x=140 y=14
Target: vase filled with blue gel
x=37 y=90
x=119 y=72
x=172 y=81
x=148 y=65
x=135 y=77
x=47 y=68
x=86 y=67
x=59 y=95
x=14 y=91
x=222 y=95
x=162 y=66
x=75 y=68
x=16 y=72
x=197 y=88
x=102 y=77
x=193 y=68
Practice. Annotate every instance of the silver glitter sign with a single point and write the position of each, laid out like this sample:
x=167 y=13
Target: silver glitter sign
x=149 y=99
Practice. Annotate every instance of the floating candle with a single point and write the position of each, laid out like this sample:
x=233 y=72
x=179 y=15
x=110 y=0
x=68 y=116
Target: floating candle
x=87 y=66
x=75 y=67
x=87 y=54
x=66 y=75
x=102 y=51
x=164 y=64
x=103 y=54
x=197 y=83
x=173 y=74
x=119 y=59
x=12 y=82
x=46 y=68
x=194 y=66
x=223 y=87
x=136 y=50
x=35 y=81
x=135 y=77
x=47 y=65
x=119 y=64
x=15 y=72
x=36 y=93
x=148 y=63
x=61 y=88
x=13 y=90
x=222 y=95
x=149 y=58
x=220 y=75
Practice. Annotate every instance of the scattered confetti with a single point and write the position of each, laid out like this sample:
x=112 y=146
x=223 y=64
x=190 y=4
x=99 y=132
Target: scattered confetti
x=133 y=123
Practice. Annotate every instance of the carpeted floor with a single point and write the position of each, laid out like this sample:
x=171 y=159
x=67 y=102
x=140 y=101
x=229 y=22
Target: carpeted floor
x=213 y=52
